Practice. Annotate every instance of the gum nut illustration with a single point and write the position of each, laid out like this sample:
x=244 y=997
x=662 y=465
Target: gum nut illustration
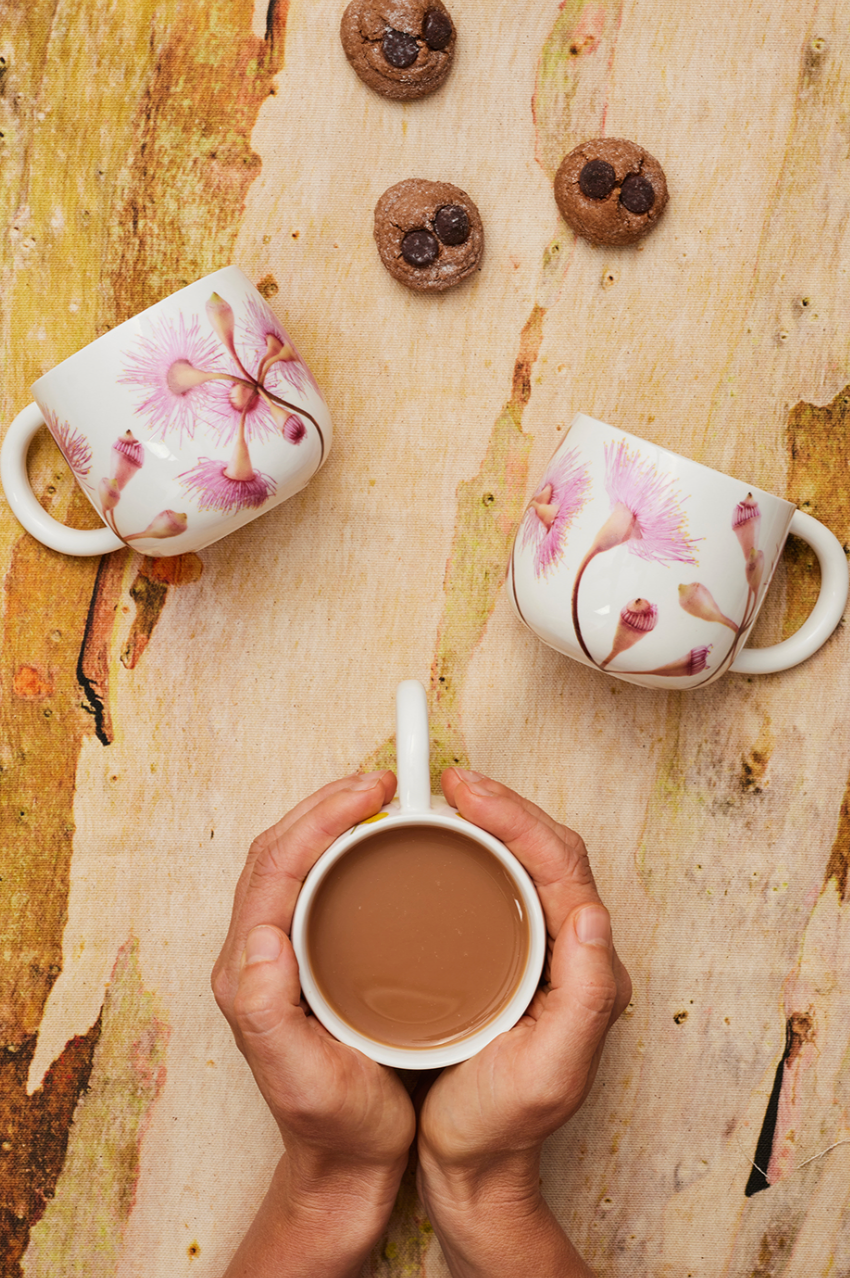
x=755 y=570
x=221 y=317
x=693 y=663
x=647 y=515
x=127 y=458
x=699 y=602
x=168 y=523
x=637 y=619
x=109 y=493
x=294 y=429
x=745 y=523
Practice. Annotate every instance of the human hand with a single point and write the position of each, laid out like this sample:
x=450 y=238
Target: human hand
x=482 y=1123
x=347 y=1123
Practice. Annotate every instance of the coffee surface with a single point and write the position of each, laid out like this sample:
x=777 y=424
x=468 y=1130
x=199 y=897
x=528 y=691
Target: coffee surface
x=417 y=937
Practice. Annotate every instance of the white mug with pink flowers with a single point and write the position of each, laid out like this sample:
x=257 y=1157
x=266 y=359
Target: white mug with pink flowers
x=180 y=425
x=652 y=568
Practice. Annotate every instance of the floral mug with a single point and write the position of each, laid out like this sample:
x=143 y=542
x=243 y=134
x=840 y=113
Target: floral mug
x=651 y=567
x=180 y=425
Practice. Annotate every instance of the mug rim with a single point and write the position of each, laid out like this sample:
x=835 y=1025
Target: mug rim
x=677 y=457
x=460 y=1049
x=131 y=319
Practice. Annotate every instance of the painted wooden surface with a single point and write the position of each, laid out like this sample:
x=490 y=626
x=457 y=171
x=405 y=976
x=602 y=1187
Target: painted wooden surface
x=153 y=723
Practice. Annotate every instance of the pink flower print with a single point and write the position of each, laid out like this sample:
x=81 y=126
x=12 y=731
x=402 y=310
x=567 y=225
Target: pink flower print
x=175 y=367
x=645 y=511
x=563 y=491
x=294 y=429
x=698 y=600
x=73 y=445
x=186 y=373
x=272 y=349
x=127 y=458
x=110 y=495
x=215 y=489
x=234 y=403
x=265 y=360
x=646 y=515
x=745 y=523
x=693 y=663
x=168 y=523
x=637 y=619
x=755 y=570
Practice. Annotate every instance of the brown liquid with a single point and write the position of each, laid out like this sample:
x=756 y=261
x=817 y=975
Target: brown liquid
x=417 y=937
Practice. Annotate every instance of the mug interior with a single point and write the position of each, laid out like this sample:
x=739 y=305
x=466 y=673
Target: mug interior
x=457 y=1048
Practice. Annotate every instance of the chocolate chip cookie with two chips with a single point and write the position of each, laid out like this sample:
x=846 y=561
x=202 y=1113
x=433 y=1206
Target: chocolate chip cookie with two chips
x=402 y=49
x=429 y=234
x=610 y=191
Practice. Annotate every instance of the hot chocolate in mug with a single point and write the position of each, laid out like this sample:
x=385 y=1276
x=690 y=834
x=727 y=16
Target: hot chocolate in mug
x=419 y=936
x=180 y=425
x=652 y=567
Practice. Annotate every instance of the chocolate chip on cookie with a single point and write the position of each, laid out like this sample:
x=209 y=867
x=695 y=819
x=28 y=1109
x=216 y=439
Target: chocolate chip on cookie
x=610 y=191
x=429 y=234
x=402 y=49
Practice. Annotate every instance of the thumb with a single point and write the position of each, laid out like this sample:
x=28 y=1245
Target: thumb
x=269 y=992
x=583 y=991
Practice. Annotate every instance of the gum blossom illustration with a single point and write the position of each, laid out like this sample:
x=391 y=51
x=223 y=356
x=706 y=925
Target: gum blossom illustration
x=190 y=379
x=646 y=516
x=73 y=445
x=697 y=600
x=551 y=512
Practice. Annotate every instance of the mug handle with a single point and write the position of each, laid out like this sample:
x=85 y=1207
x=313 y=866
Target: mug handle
x=26 y=507
x=825 y=615
x=413 y=747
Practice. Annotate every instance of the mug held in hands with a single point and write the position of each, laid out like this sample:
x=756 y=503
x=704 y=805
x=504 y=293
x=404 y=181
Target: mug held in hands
x=180 y=425
x=653 y=568
x=420 y=938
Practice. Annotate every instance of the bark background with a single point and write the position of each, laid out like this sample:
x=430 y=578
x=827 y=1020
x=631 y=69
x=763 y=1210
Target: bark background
x=154 y=720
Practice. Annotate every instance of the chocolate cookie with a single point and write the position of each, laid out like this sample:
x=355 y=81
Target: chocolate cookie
x=401 y=48
x=610 y=191
x=429 y=234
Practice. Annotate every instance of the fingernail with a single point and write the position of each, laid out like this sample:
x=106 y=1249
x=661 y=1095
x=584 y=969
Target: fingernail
x=476 y=782
x=593 y=926
x=262 y=945
x=367 y=781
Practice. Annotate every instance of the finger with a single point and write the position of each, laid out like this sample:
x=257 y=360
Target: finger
x=266 y=1016
x=452 y=777
x=553 y=855
x=624 y=988
x=281 y=862
x=280 y=827
x=581 y=1005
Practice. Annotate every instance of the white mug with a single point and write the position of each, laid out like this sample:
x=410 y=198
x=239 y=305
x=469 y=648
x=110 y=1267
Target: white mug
x=180 y=425
x=652 y=568
x=414 y=805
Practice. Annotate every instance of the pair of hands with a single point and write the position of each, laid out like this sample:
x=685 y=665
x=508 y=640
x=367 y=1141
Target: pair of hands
x=348 y=1123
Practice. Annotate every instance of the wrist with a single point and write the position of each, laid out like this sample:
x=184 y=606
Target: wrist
x=307 y=1174
x=492 y=1220
x=319 y=1218
x=497 y=1182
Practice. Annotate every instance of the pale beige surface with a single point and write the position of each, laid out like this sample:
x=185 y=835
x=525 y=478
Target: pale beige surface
x=276 y=671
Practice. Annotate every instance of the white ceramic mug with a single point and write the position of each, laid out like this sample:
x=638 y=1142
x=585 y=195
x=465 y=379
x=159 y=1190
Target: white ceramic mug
x=652 y=567
x=180 y=425
x=414 y=805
